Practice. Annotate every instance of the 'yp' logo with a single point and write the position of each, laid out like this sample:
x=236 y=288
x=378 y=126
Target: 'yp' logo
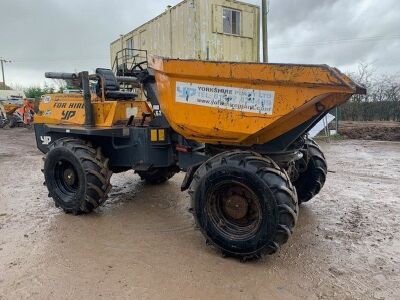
x=186 y=92
x=45 y=139
x=68 y=114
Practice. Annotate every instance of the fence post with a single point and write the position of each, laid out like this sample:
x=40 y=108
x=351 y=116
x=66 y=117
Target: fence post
x=337 y=119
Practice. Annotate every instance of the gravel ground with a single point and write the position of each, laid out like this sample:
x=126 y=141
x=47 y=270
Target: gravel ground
x=142 y=244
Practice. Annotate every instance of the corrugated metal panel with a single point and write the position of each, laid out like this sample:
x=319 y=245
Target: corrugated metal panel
x=193 y=29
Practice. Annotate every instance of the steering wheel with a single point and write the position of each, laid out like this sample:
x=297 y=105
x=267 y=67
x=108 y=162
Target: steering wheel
x=138 y=66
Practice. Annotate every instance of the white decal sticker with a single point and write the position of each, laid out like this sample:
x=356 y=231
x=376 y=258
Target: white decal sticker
x=156 y=110
x=46 y=99
x=131 y=111
x=45 y=139
x=245 y=100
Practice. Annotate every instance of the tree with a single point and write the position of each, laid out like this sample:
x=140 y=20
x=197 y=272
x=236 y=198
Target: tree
x=382 y=102
x=37 y=92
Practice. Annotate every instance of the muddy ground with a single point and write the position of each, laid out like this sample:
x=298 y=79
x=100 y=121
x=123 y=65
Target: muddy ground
x=142 y=244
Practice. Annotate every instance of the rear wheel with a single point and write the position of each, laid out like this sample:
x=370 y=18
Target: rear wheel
x=77 y=175
x=244 y=204
x=157 y=175
x=312 y=175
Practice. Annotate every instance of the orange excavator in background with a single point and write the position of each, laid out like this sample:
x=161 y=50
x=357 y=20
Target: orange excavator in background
x=15 y=115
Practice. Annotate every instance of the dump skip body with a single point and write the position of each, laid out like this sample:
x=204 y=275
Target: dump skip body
x=245 y=103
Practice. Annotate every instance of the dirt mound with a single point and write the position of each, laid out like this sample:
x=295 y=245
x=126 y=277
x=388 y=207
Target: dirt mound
x=384 y=131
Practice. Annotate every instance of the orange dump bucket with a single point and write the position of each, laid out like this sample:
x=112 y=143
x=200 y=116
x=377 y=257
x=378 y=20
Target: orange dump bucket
x=245 y=103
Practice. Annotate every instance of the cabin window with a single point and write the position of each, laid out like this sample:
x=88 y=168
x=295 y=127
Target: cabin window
x=231 y=21
x=129 y=47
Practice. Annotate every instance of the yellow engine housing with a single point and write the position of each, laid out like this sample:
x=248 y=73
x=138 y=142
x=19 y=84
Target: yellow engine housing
x=69 y=109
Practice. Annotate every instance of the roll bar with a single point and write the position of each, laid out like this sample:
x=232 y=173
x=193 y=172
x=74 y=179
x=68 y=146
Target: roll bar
x=75 y=76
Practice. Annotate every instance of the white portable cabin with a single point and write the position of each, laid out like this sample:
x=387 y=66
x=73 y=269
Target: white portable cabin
x=221 y=30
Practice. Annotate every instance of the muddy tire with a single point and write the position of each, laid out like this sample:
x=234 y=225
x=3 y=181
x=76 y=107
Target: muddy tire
x=157 y=175
x=13 y=122
x=244 y=204
x=3 y=122
x=76 y=175
x=313 y=176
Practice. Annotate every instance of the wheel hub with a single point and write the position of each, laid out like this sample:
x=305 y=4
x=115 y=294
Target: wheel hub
x=235 y=206
x=234 y=209
x=69 y=177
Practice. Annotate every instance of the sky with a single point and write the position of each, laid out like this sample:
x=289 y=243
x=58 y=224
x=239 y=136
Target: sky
x=74 y=35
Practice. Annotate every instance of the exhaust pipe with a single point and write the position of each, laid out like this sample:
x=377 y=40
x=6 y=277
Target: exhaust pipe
x=87 y=98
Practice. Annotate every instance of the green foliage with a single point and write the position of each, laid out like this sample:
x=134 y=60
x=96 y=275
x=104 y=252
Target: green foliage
x=371 y=111
x=37 y=91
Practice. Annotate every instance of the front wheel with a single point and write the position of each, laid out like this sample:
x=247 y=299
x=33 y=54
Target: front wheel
x=76 y=175
x=244 y=204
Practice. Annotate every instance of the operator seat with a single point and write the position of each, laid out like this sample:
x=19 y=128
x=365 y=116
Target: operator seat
x=111 y=86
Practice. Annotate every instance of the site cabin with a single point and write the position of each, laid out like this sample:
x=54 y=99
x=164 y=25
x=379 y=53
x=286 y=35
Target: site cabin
x=218 y=30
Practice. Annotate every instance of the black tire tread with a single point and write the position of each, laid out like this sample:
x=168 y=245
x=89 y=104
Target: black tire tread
x=284 y=191
x=311 y=181
x=97 y=173
x=12 y=122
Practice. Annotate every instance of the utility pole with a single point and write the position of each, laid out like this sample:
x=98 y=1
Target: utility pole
x=264 y=15
x=3 y=61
